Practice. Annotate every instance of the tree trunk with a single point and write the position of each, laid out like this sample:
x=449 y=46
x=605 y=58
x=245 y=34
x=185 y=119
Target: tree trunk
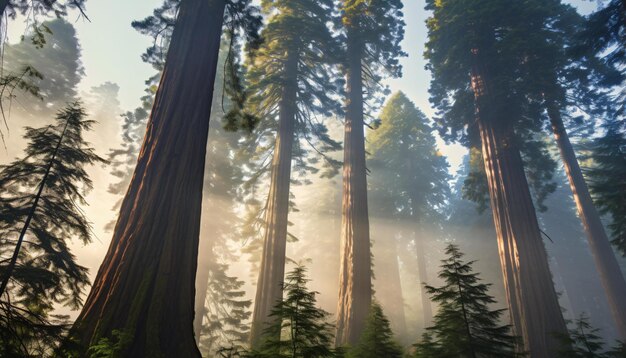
x=532 y=299
x=272 y=270
x=427 y=311
x=355 y=277
x=388 y=284
x=145 y=286
x=603 y=255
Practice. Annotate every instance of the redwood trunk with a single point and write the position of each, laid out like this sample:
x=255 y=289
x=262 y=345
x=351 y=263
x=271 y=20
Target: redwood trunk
x=603 y=255
x=145 y=286
x=355 y=277
x=532 y=299
x=427 y=311
x=205 y=263
x=272 y=270
x=389 y=285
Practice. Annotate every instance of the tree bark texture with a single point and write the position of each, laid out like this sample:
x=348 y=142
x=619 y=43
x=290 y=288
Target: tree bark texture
x=427 y=311
x=355 y=277
x=272 y=270
x=532 y=299
x=603 y=255
x=145 y=285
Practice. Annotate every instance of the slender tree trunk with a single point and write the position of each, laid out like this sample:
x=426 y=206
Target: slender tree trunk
x=272 y=270
x=355 y=277
x=603 y=255
x=427 y=311
x=145 y=286
x=532 y=299
x=389 y=287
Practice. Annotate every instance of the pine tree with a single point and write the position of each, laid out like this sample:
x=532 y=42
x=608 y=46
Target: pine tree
x=299 y=327
x=606 y=179
x=464 y=326
x=291 y=85
x=373 y=32
x=377 y=338
x=47 y=186
x=145 y=286
x=583 y=341
x=476 y=51
x=408 y=181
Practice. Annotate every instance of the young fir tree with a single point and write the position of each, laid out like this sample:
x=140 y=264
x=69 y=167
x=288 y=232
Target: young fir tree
x=464 y=326
x=373 y=31
x=47 y=186
x=299 y=328
x=583 y=341
x=145 y=286
x=377 y=338
x=408 y=181
x=476 y=51
x=291 y=85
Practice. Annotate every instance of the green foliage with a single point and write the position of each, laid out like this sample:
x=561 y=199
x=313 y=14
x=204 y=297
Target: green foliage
x=110 y=348
x=377 y=338
x=409 y=176
x=46 y=273
x=584 y=341
x=464 y=326
x=606 y=179
x=375 y=29
x=299 y=327
x=226 y=312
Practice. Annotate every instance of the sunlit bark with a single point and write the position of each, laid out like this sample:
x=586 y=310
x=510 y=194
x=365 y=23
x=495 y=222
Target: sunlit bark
x=272 y=270
x=427 y=312
x=603 y=255
x=355 y=282
x=145 y=286
x=532 y=299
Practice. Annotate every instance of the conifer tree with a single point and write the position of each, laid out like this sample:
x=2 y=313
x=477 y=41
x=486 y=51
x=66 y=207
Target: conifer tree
x=291 y=85
x=377 y=338
x=583 y=341
x=408 y=181
x=605 y=176
x=464 y=325
x=299 y=328
x=476 y=51
x=40 y=195
x=373 y=31
x=145 y=286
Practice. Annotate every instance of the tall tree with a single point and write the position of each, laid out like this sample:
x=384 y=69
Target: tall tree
x=299 y=328
x=561 y=81
x=290 y=83
x=484 y=39
x=145 y=286
x=409 y=180
x=464 y=326
x=373 y=31
x=39 y=216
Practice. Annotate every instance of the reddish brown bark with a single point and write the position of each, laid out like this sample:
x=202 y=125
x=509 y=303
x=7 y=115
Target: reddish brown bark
x=272 y=270
x=145 y=286
x=532 y=299
x=603 y=255
x=355 y=277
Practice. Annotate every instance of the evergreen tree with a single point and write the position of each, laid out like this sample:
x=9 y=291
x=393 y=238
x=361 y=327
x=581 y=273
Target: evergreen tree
x=377 y=338
x=299 y=327
x=476 y=51
x=464 y=326
x=46 y=188
x=291 y=90
x=145 y=286
x=408 y=181
x=606 y=179
x=583 y=341
x=373 y=31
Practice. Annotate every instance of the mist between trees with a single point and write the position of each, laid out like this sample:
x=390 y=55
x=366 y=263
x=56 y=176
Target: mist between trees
x=316 y=213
